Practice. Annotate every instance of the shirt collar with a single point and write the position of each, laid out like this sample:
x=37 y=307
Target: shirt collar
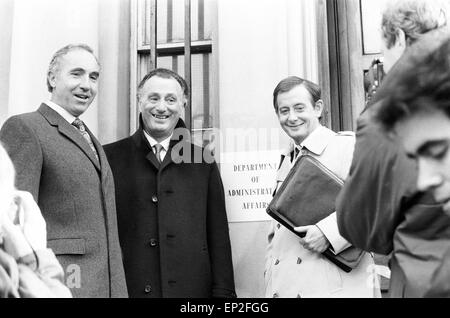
x=64 y=113
x=165 y=143
x=318 y=140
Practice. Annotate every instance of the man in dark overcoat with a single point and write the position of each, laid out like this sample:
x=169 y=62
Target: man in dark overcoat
x=173 y=226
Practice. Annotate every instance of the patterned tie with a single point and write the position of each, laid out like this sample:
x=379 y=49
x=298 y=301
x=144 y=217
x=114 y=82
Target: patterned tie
x=294 y=154
x=158 y=149
x=78 y=123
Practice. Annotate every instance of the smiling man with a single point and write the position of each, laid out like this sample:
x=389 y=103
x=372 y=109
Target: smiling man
x=63 y=165
x=295 y=267
x=173 y=226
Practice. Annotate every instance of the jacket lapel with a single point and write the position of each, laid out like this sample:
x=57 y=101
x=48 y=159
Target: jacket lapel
x=70 y=132
x=142 y=143
x=101 y=154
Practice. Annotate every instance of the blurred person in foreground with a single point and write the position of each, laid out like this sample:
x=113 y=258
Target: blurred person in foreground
x=27 y=267
x=417 y=116
x=380 y=209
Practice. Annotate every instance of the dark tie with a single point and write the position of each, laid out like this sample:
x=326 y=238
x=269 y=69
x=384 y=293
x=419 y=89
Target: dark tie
x=294 y=154
x=78 y=123
x=158 y=149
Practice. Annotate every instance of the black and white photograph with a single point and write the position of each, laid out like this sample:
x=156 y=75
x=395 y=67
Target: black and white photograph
x=225 y=154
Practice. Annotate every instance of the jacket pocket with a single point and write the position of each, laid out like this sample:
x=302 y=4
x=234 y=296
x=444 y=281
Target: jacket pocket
x=68 y=246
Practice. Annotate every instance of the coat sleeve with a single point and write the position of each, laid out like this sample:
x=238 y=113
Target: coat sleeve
x=380 y=179
x=329 y=228
x=328 y=225
x=23 y=147
x=219 y=238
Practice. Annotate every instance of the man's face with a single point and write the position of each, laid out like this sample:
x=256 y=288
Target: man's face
x=297 y=114
x=426 y=138
x=161 y=101
x=75 y=81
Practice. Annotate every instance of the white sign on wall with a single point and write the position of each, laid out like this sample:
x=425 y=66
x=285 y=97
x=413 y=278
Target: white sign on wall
x=249 y=181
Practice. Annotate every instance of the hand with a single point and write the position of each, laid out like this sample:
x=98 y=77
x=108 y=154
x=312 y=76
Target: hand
x=22 y=239
x=314 y=240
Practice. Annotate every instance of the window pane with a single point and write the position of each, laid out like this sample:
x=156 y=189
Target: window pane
x=202 y=112
x=170 y=20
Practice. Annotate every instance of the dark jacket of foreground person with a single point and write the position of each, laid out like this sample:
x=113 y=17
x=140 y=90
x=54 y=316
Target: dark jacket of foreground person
x=380 y=210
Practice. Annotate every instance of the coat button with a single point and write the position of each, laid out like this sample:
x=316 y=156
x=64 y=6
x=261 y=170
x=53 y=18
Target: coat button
x=153 y=242
x=154 y=199
x=278 y=226
x=277 y=262
x=148 y=289
x=276 y=295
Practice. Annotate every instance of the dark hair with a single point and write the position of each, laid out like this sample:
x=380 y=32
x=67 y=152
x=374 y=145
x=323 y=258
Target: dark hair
x=165 y=73
x=54 y=63
x=423 y=86
x=289 y=83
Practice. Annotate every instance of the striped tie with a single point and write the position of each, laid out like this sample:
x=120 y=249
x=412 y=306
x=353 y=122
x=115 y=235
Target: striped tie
x=158 y=149
x=78 y=123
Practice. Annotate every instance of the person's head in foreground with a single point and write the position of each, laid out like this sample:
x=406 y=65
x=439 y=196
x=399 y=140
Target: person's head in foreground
x=417 y=114
x=405 y=21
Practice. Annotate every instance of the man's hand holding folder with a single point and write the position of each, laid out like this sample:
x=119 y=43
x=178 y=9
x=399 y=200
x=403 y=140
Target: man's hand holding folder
x=314 y=240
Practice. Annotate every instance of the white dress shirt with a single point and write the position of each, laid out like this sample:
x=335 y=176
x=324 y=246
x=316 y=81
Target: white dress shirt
x=64 y=113
x=165 y=144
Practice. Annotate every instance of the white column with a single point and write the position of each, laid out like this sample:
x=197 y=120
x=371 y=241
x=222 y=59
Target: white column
x=40 y=28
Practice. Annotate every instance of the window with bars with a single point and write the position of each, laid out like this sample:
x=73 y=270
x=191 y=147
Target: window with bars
x=170 y=53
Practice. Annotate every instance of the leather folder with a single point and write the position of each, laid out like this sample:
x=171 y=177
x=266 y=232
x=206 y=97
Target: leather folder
x=307 y=196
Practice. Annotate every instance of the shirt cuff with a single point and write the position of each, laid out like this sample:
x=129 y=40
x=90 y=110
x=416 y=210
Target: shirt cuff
x=329 y=228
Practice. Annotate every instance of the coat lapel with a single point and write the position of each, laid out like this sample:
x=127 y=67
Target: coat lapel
x=172 y=156
x=142 y=143
x=70 y=132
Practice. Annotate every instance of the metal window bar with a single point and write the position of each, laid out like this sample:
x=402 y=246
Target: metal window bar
x=153 y=35
x=187 y=49
x=188 y=60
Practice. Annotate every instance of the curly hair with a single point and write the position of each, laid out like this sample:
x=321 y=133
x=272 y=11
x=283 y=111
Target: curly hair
x=414 y=18
x=423 y=87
